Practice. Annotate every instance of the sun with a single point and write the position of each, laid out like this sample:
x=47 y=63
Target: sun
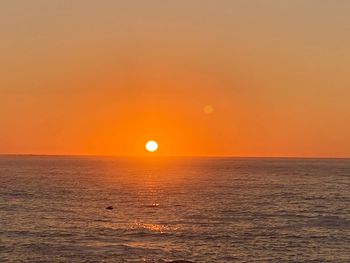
x=151 y=146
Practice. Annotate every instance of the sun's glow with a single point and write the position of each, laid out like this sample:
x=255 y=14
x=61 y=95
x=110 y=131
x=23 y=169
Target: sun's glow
x=151 y=146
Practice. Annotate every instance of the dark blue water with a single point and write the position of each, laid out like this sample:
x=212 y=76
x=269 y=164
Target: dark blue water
x=53 y=209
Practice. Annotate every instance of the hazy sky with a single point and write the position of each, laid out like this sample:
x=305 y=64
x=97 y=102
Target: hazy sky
x=219 y=77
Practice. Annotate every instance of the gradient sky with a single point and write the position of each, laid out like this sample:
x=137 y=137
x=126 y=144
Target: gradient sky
x=219 y=77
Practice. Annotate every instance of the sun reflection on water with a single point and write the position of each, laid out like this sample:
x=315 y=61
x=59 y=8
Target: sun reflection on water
x=158 y=228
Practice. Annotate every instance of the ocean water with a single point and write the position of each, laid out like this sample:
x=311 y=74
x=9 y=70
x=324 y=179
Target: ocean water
x=53 y=209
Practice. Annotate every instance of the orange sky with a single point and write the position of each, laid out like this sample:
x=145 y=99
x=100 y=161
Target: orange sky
x=103 y=77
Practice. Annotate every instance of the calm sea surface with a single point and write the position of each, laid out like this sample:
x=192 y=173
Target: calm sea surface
x=53 y=209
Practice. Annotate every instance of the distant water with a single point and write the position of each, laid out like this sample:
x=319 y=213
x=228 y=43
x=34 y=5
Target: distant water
x=53 y=209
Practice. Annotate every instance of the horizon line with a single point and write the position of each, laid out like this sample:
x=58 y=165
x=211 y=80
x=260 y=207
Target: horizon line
x=174 y=156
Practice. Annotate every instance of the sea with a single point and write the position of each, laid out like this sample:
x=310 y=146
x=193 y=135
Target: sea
x=119 y=209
